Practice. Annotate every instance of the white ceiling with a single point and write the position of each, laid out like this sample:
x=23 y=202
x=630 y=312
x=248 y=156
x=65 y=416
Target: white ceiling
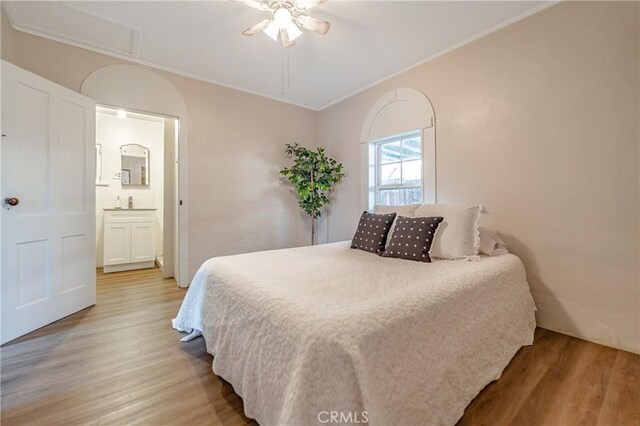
x=368 y=40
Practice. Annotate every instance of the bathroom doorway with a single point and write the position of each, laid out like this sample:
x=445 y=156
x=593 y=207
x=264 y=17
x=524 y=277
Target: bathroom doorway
x=136 y=191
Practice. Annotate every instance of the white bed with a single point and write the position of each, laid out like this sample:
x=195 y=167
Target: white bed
x=304 y=332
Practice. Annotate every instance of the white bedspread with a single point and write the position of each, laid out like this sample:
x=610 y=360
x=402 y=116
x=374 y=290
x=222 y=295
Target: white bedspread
x=302 y=332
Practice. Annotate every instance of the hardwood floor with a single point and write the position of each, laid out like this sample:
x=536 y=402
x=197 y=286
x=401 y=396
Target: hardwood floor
x=120 y=362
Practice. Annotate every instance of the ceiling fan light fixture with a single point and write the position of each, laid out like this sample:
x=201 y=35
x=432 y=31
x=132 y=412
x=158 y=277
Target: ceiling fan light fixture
x=282 y=17
x=286 y=22
x=293 y=31
x=272 y=30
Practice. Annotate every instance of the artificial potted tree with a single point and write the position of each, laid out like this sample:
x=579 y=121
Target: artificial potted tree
x=314 y=176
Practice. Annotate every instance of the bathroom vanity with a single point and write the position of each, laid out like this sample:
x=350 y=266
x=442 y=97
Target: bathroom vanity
x=129 y=239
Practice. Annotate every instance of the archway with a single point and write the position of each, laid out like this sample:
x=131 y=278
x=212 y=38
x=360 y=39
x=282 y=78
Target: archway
x=135 y=88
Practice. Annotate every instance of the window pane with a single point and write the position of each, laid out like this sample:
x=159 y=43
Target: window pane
x=411 y=195
x=390 y=152
x=411 y=149
x=389 y=174
x=412 y=171
x=398 y=197
x=389 y=197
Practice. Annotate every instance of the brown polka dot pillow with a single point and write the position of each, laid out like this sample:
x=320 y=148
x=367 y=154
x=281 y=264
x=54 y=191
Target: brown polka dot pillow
x=372 y=231
x=412 y=238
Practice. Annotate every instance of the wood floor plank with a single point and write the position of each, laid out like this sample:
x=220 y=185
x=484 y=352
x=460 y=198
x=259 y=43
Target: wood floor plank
x=566 y=388
x=120 y=362
x=621 y=404
x=578 y=381
x=501 y=400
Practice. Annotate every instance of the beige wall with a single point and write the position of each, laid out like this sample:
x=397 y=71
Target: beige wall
x=539 y=122
x=235 y=147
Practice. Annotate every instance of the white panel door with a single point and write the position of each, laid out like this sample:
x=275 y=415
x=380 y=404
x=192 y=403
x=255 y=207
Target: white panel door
x=143 y=242
x=48 y=238
x=117 y=243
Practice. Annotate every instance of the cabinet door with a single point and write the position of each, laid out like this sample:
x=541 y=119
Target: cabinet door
x=117 y=243
x=143 y=242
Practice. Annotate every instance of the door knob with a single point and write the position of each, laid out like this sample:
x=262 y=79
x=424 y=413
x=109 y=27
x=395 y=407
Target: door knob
x=11 y=201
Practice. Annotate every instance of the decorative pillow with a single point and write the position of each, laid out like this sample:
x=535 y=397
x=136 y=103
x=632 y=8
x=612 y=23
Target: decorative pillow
x=490 y=243
x=412 y=238
x=459 y=234
x=406 y=210
x=372 y=232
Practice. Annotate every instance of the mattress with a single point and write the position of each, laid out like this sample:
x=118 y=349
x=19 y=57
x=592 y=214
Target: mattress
x=322 y=334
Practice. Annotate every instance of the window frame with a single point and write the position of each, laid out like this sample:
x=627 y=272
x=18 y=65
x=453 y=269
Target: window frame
x=378 y=164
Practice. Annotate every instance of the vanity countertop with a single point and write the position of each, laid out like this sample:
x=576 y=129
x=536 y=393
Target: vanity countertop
x=124 y=210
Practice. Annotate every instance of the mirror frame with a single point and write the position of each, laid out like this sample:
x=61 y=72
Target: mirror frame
x=148 y=158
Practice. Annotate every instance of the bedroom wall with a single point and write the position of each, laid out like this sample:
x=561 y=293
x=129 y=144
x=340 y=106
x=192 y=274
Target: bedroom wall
x=539 y=122
x=235 y=147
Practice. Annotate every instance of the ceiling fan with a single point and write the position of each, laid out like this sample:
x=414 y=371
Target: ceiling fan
x=287 y=19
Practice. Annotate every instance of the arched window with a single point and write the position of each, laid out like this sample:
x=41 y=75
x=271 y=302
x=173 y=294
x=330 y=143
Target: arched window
x=398 y=150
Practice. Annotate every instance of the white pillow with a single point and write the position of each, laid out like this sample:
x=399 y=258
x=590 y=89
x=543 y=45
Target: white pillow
x=458 y=236
x=491 y=244
x=407 y=210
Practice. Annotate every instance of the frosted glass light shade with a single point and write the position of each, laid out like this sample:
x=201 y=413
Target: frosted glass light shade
x=293 y=31
x=272 y=30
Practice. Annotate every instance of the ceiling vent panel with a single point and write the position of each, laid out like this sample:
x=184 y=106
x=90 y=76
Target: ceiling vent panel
x=70 y=24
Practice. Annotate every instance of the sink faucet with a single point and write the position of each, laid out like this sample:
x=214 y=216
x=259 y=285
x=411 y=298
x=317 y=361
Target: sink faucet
x=130 y=202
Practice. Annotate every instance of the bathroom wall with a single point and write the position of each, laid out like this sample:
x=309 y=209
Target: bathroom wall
x=111 y=133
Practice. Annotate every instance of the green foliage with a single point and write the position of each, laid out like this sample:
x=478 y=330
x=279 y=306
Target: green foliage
x=314 y=175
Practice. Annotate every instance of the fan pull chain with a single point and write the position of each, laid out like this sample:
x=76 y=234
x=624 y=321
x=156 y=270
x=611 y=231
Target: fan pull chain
x=288 y=69
x=282 y=75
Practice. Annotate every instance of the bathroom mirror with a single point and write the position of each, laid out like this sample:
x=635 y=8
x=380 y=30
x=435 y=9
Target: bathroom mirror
x=135 y=165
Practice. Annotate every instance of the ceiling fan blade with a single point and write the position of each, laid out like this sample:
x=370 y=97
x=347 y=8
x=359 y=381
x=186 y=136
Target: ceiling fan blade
x=313 y=24
x=257 y=27
x=307 y=4
x=284 y=37
x=254 y=4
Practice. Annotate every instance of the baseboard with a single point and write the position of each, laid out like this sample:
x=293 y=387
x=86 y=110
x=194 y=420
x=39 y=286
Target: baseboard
x=590 y=321
x=592 y=340
x=129 y=266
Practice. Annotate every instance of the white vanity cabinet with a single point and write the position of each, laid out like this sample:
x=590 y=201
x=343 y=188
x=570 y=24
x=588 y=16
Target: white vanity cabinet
x=129 y=239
